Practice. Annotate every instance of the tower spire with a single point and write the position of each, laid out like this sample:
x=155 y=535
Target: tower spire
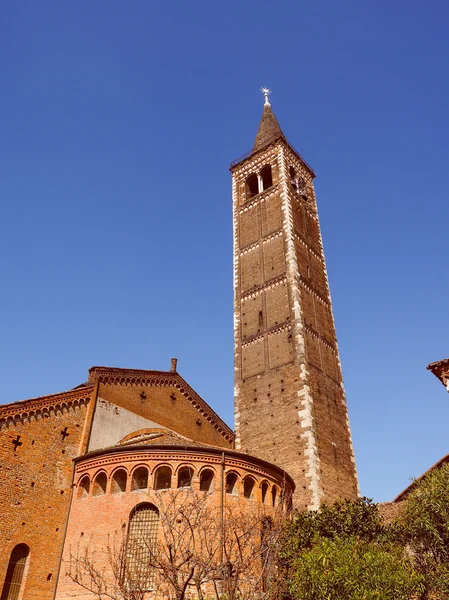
x=269 y=129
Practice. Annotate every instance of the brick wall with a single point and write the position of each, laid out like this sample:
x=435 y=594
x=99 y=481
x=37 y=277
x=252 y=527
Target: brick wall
x=36 y=479
x=290 y=406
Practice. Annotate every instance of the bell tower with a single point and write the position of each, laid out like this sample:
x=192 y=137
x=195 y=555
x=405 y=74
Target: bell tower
x=290 y=406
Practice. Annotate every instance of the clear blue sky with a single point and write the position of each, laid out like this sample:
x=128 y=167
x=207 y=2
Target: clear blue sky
x=118 y=124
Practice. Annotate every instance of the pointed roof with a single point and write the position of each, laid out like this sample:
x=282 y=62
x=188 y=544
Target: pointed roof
x=269 y=129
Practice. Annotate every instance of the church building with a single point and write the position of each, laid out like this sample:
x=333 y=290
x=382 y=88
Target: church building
x=83 y=462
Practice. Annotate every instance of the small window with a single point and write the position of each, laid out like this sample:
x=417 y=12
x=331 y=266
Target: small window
x=185 y=477
x=206 y=480
x=264 y=492
x=15 y=572
x=118 y=484
x=140 y=479
x=267 y=177
x=248 y=488
x=231 y=483
x=274 y=492
x=83 y=487
x=293 y=178
x=252 y=186
x=162 y=478
x=99 y=486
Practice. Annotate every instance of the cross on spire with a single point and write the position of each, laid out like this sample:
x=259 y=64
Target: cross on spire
x=266 y=92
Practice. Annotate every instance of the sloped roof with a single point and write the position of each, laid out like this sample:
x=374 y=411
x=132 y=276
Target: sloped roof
x=115 y=375
x=269 y=129
x=159 y=436
x=414 y=483
x=440 y=369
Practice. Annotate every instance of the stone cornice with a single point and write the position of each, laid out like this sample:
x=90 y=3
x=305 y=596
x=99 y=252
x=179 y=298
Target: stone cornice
x=44 y=405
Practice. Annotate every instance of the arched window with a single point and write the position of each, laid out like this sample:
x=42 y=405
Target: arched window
x=118 y=484
x=83 y=487
x=140 y=479
x=162 y=478
x=274 y=493
x=206 y=480
x=141 y=546
x=185 y=477
x=231 y=484
x=267 y=177
x=293 y=178
x=15 y=572
x=248 y=488
x=264 y=492
x=99 y=486
x=252 y=186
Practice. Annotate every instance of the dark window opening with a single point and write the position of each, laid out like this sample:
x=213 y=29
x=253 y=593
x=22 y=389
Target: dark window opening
x=185 y=477
x=252 y=186
x=264 y=492
x=162 y=478
x=119 y=482
x=15 y=572
x=140 y=479
x=248 y=488
x=83 y=487
x=267 y=177
x=293 y=178
x=231 y=483
x=99 y=486
x=206 y=479
x=273 y=496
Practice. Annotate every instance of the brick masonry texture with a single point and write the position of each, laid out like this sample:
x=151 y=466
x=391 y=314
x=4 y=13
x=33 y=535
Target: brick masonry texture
x=85 y=530
x=36 y=481
x=290 y=405
x=36 y=471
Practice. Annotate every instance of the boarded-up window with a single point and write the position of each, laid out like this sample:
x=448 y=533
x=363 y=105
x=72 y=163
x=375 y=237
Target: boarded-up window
x=141 y=547
x=15 y=572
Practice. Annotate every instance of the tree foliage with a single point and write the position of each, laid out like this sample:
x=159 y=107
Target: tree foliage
x=426 y=531
x=345 y=551
x=346 y=568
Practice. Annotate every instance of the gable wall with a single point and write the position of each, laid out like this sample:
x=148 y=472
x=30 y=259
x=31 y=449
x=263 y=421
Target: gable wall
x=165 y=405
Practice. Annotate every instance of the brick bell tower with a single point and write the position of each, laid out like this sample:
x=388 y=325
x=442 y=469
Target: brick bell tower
x=290 y=406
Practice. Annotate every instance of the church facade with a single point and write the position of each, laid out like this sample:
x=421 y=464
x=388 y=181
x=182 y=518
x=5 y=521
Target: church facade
x=84 y=462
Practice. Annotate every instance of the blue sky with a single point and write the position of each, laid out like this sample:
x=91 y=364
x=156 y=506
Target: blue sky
x=118 y=124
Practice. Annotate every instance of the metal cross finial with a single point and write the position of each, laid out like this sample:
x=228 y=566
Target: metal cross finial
x=266 y=92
